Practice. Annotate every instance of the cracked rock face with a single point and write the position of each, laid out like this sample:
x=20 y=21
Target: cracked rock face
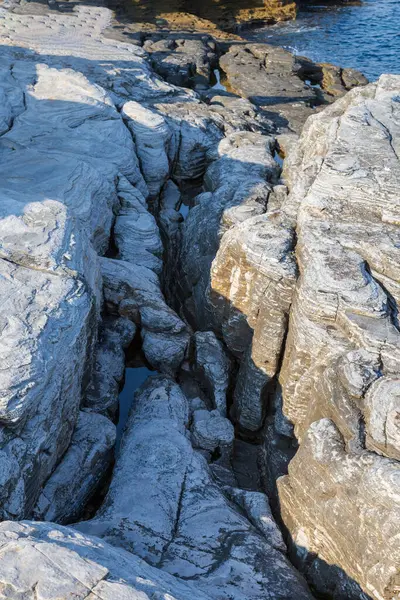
x=164 y=506
x=44 y=561
x=89 y=454
x=340 y=370
x=287 y=87
x=213 y=367
x=292 y=300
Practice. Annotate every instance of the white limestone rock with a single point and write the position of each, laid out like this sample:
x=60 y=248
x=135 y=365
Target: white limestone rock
x=47 y=326
x=152 y=137
x=61 y=159
x=163 y=505
x=78 y=475
x=43 y=561
x=213 y=366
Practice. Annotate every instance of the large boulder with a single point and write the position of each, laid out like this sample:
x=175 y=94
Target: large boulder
x=287 y=87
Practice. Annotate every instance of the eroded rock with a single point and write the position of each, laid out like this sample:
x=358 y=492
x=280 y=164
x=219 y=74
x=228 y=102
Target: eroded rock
x=77 y=477
x=43 y=560
x=134 y=292
x=341 y=363
x=164 y=506
x=213 y=366
x=288 y=88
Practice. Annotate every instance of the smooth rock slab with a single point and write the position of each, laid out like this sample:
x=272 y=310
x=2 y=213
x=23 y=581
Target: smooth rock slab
x=43 y=561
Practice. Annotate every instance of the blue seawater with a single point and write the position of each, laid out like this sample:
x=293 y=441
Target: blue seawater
x=365 y=37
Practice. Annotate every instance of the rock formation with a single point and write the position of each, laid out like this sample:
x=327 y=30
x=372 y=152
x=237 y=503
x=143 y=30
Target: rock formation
x=340 y=370
x=139 y=216
x=163 y=506
x=43 y=560
x=208 y=16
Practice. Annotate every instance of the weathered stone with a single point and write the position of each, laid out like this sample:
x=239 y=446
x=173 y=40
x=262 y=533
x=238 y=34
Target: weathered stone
x=340 y=369
x=152 y=137
x=115 y=335
x=239 y=114
x=212 y=432
x=258 y=511
x=183 y=62
x=42 y=316
x=282 y=84
x=236 y=188
x=205 y=17
x=136 y=234
x=78 y=475
x=134 y=292
x=213 y=366
x=343 y=509
x=45 y=561
x=252 y=281
x=163 y=505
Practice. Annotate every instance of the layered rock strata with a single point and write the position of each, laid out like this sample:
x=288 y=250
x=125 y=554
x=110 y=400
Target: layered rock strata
x=287 y=318
x=339 y=376
x=91 y=137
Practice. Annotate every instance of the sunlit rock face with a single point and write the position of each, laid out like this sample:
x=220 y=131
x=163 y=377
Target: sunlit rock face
x=208 y=15
x=340 y=370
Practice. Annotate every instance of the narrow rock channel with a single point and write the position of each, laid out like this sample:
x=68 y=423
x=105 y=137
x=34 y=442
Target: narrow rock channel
x=200 y=350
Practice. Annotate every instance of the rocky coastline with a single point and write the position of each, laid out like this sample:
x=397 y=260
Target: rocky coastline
x=227 y=213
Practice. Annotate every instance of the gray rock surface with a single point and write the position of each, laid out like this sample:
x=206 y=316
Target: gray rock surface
x=43 y=561
x=287 y=87
x=115 y=335
x=164 y=506
x=212 y=432
x=80 y=471
x=90 y=138
x=134 y=292
x=213 y=367
x=236 y=187
x=340 y=369
x=184 y=62
x=68 y=165
x=56 y=213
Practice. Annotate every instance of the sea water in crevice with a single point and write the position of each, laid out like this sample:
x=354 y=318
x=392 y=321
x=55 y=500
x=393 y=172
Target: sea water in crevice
x=134 y=377
x=364 y=37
